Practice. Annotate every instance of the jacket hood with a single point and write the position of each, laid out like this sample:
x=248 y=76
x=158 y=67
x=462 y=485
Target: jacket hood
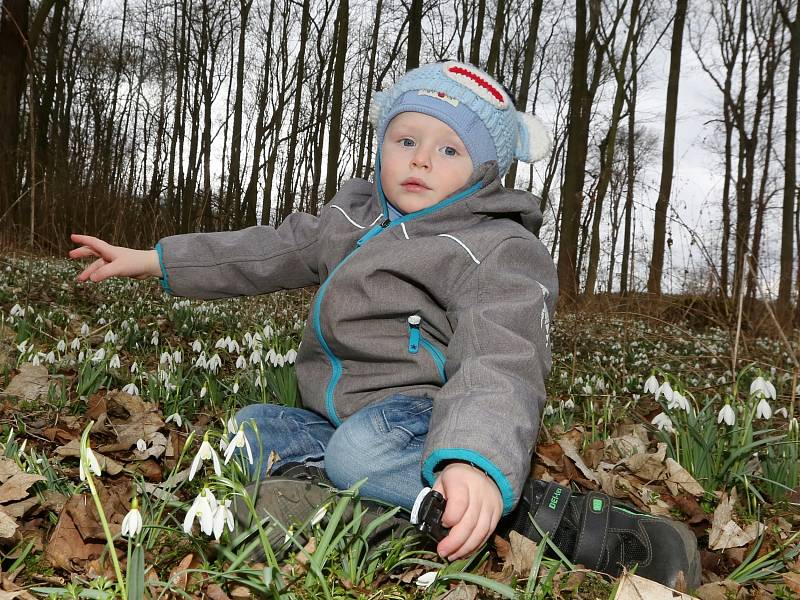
x=482 y=196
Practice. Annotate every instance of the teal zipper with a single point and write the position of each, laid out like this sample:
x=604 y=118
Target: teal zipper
x=415 y=339
x=336 y=365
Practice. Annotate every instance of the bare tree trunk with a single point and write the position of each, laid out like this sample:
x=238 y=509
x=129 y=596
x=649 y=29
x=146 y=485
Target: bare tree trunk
x=493 y=60
x=414 y=35
x=334 y=139
x=631 y=180
x=365 y=128
x=667 y=164
x=475 y=44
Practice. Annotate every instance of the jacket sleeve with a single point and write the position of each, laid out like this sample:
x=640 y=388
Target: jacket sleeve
x=255 y=260
x=498 y=359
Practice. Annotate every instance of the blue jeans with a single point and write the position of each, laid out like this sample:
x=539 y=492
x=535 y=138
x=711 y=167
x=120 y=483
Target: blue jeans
x=382 y=442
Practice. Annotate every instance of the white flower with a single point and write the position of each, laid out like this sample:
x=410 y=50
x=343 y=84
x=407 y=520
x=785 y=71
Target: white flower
x=255 y=357
x=291 y=356
x=94 y=464
x=762 y=387
x=663 y=422
x=99 y=355
x=165 y=358
x=726 y=415
x=548 y=410
x=203 y=391
x=61 y=346
x=200 y=363
x=651 y=385
x=203 y=508
x=131 y=389
x=51 y=357
x=110 y=337
x=17 y=311
x=238 y=441
x=214 y=363
x=84 y=330
x=135 y=367
x=221 y=343
x=319 y=515
x=75 y=344
x=222 y=516
x=141 y=445
x=232 y=425
x=177 y=357
x=425 y=580
x=236 y=387
x=233 y=345
x=763 y=410
x=132 y=523
x=154 y=339
x=175 y=417
x=569 y=404
x=678 y=400
x=101 y=321
x=241 y=362
x=114 y=363
x=781 y=412
x=205 y=452
x=197 y=346
x=81 y=356
x=665 y=389
x=35 y=360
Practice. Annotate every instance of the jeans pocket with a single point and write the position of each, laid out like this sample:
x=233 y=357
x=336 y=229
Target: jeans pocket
x=411 y=416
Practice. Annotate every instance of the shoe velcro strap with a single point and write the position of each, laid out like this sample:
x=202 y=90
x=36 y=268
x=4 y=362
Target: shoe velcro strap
x=592 y=531
x=551 y=510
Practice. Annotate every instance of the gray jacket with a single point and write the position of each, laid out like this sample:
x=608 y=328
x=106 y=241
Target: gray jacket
x=452 y=302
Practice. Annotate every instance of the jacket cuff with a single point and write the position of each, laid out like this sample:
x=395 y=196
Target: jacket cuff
x=163 y=279
x=476 y=459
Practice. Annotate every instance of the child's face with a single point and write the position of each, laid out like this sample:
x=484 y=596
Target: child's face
x=422 y=147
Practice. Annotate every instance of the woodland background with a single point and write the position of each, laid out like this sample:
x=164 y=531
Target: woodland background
x=134 y=119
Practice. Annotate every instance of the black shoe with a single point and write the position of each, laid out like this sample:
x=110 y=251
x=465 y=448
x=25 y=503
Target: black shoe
x=292 y=497
x=604 y=535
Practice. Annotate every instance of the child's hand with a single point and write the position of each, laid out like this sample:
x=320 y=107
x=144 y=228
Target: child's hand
x=114 y=260
x=474 y=506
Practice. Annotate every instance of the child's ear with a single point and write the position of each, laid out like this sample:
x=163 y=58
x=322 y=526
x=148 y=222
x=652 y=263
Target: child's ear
x=533 y=141
x=376 y=106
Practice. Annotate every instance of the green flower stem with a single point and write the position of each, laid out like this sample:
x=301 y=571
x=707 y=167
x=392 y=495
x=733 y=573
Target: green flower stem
x=99 y=506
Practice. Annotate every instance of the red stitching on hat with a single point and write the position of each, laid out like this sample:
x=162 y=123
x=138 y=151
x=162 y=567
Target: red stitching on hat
x=479 y=80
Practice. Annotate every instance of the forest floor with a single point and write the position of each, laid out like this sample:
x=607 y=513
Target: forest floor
x=649 y=410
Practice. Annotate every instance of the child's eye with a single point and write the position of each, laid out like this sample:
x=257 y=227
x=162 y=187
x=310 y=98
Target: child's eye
x=447 y=150
x=404 y=140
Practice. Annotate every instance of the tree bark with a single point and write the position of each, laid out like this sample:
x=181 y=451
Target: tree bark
x=414 y=35
x=335 y=137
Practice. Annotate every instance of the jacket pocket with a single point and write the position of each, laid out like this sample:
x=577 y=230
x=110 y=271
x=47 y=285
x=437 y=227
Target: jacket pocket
x=417 y=340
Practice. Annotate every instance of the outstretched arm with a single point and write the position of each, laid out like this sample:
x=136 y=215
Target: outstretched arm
x=114 y=261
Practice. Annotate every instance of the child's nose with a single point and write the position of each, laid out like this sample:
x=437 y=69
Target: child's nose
x=421 y=157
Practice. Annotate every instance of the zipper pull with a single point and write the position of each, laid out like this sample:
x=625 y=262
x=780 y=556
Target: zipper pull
x=372 y=233
x=413 y=333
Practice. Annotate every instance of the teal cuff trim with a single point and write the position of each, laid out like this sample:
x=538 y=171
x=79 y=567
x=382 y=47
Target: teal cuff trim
x=163 y=278
x=477 y=459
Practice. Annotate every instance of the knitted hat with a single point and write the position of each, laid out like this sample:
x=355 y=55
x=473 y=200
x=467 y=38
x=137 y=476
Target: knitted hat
x=473 y=104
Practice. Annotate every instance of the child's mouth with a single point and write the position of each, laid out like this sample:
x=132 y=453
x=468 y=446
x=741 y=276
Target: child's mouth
x=414 y=187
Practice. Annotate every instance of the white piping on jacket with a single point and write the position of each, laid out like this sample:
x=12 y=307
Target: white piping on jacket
x=405 y=233
x=463 y=245
x=341 y=210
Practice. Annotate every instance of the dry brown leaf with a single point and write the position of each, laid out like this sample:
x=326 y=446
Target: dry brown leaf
x=66 y=548
x=8 y=468
x=717 y=590
x=73 y=449
x=648 y=466
x=215 y=592
x=633 y=587
x=522 y=553
x=8 y=526
x=18 y=509
x=617 y=448
x=461 y=592
x=792 y=581
x=179 y=577
x=725 y=533
x=613 y=484
x=16 y=488
x=571 y=451
x=240 y=591
x=30 y=383
x=678 y=478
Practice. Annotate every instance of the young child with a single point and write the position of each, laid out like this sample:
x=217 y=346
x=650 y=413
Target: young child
x=424 y=357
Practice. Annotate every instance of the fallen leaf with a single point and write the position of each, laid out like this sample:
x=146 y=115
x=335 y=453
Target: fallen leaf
x=792 y=581
x=30 y=383
x=574 y=581
x=522 y=554
x=240 y=591
x=16 y=488
x=717 y=590
x=572 y=452
x=66 y=549
x=617 y=448
x=678 y=477
x=215 y=592
x=461 y=592
x=18 y=509
x=725 y=533
x=633 y=587
x=8 y=526
x=8 y=468
x=648 y=466
x=179 y=576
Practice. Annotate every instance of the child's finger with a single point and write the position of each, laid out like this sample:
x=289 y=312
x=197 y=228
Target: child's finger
x=458 y=535
x=87 y=272
x=96 y=244
x=479 y=535
x=105 y=271
x=82 y=252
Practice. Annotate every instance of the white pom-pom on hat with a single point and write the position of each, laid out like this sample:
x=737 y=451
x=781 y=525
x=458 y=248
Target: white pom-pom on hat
x=533 y=140
x=375 y=107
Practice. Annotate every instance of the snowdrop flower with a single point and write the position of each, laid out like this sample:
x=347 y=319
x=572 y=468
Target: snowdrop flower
x=99 y=355
x=200 y=363
x=203 y=508
x=101 y=321
x=271 y=356
x=548 y=410
x=762 y=387
x=61 y=346
x=84 y=330
x=94 y=464
x=135 y=367
x=238 y=441
x=81 y=356
x=175 y=417
x=236 y=387
x=763 y=410
x=425 y=580
x=222 y=516
x=114 y=363
x=141 y=445
x=665 y=389
x=781 y=412
x=177 y=357
x=663 y=422
x=214 y=363
x=165 y=358
x=291 y=356
x=130 y=388
x=220 y=343
x=651 y=385
x=17 y=311
x=35 y=360
x=587 y=389
x=233 y=345
x=51 y=357
x=726 y=415
x=75 y=344
x=132 y=523
x=569 y=404
x=203 y=391
x=110 y=337
x=205 y=453
x=319 y=515
x=636 y=397
x=241 y=362
x=197 y=346
x=232 y=425
x=678 y=400
x=255 y=357
x=154 y=339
